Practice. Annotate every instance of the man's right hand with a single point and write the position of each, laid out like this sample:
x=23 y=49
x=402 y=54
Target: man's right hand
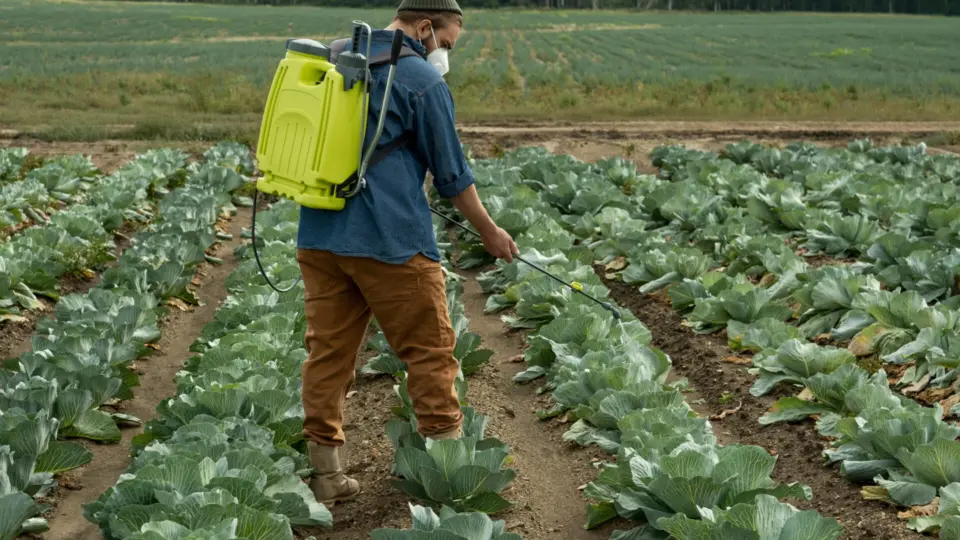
x=500 y=244
x=496 y=240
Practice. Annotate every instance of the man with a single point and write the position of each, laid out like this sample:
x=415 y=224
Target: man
x=378 y=256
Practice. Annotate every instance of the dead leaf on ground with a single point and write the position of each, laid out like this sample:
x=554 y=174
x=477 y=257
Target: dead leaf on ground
x=806 y=395
x=351 y=393
x=179 y=304
x=516 y=359
x=618 y=263
x=661 y=297
x=895 y=371
x=153 y=346
x=931 y=395
x=950 y=402
x=727 y=412
x=918 y=386
x=822 y=338
x=88 y=274
x=610 y=276
x=921 y=511
x=9 y=317
x=565 y=419
x=739 y=360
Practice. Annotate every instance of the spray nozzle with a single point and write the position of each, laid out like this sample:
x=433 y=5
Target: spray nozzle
x=612 y=310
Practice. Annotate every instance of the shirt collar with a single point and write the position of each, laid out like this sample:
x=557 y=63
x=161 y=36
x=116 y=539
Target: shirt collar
x=386 y=37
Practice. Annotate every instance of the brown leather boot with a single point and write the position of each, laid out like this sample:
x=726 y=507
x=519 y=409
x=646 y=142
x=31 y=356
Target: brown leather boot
x=329 y=484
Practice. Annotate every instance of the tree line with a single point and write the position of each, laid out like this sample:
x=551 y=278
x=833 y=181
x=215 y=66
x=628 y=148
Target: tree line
x=917 y=7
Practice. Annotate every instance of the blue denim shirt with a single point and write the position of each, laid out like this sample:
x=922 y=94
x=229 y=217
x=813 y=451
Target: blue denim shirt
x=390 y=219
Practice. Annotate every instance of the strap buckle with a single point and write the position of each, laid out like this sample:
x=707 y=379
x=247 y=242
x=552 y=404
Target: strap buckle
x=351 y=189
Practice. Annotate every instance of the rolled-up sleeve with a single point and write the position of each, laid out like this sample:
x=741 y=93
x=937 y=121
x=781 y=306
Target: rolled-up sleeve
x=438 y=143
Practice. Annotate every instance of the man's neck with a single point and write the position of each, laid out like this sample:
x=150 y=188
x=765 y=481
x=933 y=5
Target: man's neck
x=397 y=25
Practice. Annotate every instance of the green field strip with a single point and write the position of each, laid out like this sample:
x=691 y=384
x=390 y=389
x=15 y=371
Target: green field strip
x=908 y=55
x=80 y=358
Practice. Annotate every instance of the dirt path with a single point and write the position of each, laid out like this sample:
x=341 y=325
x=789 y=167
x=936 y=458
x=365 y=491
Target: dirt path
x=179 y=330
x=550 y=470
x=548 y=503
x=798 y=447
x=714 y=128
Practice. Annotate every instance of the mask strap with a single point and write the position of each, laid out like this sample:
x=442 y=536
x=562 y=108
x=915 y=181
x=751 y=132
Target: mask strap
x=420 y=40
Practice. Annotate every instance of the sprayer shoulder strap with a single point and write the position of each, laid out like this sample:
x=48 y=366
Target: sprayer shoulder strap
x=340 y=45
x=379 y=153
x=382 y=151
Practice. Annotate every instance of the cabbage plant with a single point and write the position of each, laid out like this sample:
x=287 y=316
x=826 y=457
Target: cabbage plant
x=448 y=525
x=795 y=361
x=766 y=518
x=690 y=477
x=460 y=473
x=655 y=269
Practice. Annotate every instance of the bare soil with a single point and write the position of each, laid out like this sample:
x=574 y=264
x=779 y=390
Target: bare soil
x=179 y=329
x=635 y=140
x=107 y=155
x=723 y=385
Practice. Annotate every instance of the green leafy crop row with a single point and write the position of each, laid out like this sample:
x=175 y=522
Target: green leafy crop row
x=78 y=237
x=884 y=288
x=667 y=471
x=226 y=456
x=80 y=359
x=774 y=247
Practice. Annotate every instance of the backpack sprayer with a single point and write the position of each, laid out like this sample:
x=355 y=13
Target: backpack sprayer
x=314 y=124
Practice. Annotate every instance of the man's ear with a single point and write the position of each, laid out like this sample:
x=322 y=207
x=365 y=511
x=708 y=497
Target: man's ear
x=423 y=29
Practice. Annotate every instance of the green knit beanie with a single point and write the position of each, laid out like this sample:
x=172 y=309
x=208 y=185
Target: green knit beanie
x=430 y=5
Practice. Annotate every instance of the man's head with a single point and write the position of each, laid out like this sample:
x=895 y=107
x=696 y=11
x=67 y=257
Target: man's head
x=425 y=19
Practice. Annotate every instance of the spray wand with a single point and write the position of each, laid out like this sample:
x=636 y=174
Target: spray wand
x=574 y=286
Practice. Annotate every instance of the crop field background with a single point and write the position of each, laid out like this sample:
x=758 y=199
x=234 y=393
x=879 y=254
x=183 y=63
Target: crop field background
x=89 y=69
x=788 y=348
x=770 y=201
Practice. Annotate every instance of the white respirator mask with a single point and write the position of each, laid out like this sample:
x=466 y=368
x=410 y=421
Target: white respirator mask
x=438 y=58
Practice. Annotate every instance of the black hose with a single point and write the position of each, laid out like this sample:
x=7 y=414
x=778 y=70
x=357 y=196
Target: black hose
x=256 y=254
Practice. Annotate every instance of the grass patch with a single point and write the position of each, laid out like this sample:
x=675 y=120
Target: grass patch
x=211 y=106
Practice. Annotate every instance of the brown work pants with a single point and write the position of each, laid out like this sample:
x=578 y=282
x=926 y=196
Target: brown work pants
x=409 y=301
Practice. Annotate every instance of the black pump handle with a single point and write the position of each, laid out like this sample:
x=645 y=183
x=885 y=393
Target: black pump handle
x=397 y=44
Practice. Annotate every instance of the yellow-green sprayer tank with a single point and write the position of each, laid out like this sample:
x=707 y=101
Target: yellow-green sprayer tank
x=300 y=155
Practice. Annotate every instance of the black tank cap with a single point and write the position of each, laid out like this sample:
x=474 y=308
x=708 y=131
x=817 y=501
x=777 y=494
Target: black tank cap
x=308 y=46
